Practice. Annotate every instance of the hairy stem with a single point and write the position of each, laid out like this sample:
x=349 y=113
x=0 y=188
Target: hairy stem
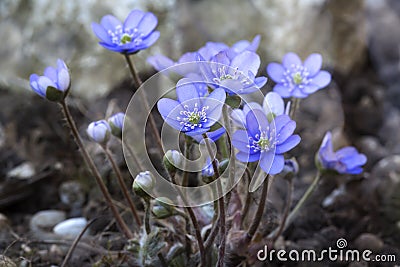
x=124 y=190
x=260 y=210
x=94 y=171
x=286 y=212
x=221 y=206
x=147 y=207
x=138 y=83
x=195 y=223
x=301 y=202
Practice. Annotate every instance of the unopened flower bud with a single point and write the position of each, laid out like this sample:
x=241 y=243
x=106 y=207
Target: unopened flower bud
x=291 y=168
x=143 y=183
x=54 y=84
x=99 y=131
x=162 y=209
x=117 y=123
x=172 y=160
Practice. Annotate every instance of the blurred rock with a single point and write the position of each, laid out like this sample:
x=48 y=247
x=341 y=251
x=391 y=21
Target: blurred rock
x=40 y=31
x=23 y=171
x=72 y=194
x=368 y=241
x=372 y=148
x=71 y=228
x=389 y=132
x=45 y=220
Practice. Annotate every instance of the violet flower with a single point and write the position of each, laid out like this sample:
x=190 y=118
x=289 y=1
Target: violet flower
x=264 y=141
x=54 y=84
x=191 y=113
x=345 y=160
x=135 y=34
x=116 y=123
x=296 y=79
x=99 y=131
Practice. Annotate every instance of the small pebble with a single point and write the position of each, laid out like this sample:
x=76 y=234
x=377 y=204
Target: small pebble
x=70 y=228
x=23 y=171
x=368 y=241
x=45 y=220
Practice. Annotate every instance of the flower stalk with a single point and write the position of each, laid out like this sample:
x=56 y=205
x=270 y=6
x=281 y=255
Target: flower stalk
x=138 y=83
x=123 y=187
x=128 y=234
x=221 y=206
x=260 y=210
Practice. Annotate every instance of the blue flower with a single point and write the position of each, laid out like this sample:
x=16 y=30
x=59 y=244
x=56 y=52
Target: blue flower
x=208 y=169
x=160 y=62
x=135 y=34
x=99 y=131
x=265 y=141
x=192 y=114
x=213 y=135
x=345 y=160
x=235 y=73
x=53 y=79
x=296 y=79
x=116 y=123
x=273 y=106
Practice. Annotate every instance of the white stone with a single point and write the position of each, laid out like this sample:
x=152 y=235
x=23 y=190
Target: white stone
x=71 y=227
x=22 y=171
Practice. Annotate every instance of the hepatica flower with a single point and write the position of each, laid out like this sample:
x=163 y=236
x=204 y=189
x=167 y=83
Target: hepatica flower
x=99 y=131
x=265 y=141
x=135 y=34
x=297 y=79
x=191 y=113
x=116 y=123
x=345 y=160
x=54 y=84
x=161 y=62
x=235 y=73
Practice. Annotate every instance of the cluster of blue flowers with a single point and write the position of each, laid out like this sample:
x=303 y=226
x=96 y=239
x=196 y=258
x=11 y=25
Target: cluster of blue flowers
x=263 y=133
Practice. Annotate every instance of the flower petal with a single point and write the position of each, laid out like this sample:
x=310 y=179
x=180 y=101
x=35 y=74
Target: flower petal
x=33 y=80
x=290 y=143
x=322 y=79
x=170 y=111
x=276 y=72
x=277 y=165
x=110 y=22
x=149 y=40
x=186 y=90
x=273 y=102
x=285 y=132
x=282 y=90
x=101 y=33
x=291 y=59
x=256 y=120
x=45 y=82
x=63 y=79
x=246 y=61
x=50 y=73
x=240 y=140
x=313 y=63
x=160 y=62
x=133 y=19
x=147 y=23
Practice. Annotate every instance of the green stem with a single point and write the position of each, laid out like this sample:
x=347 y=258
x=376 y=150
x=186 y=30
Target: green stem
x=301 y=202
x=195 y=223
x=286 y=212
x=152 y=121
x=260 y=210
x=221 y=205
x=94 y=170
x=122 y=185
x=147 y=216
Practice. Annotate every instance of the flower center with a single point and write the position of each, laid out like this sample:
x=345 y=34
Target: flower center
x=226 y=77
x=125 y=38
x=190 y=119
x=194 y=118
x=264 y=141
x=297 y=79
